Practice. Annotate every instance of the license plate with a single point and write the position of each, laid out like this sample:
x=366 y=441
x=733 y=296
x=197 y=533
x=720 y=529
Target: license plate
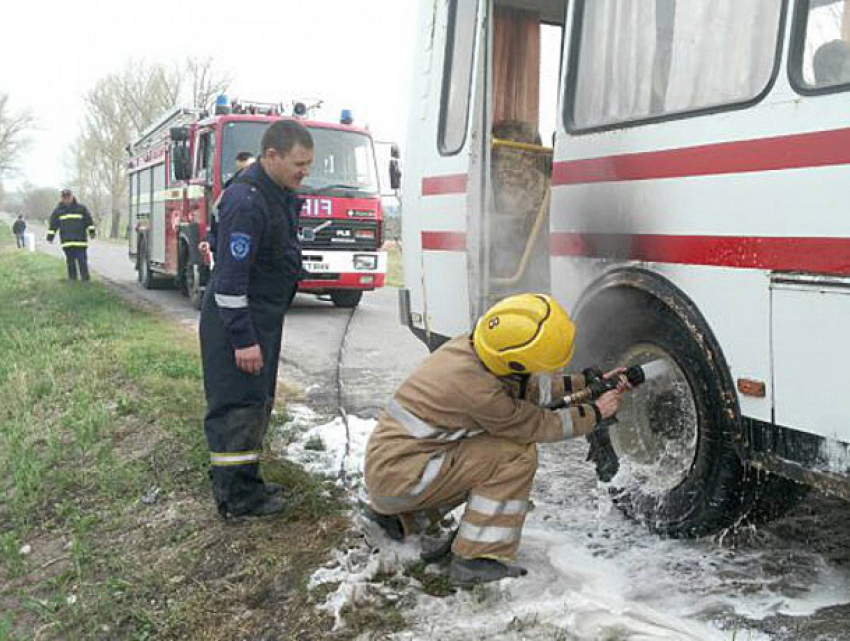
x=316 y=267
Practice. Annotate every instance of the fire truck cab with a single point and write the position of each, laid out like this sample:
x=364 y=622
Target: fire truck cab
x=679 y=181
x=179 y=166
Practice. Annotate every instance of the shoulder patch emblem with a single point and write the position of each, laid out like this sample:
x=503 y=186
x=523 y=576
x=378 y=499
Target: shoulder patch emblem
x=240 y=246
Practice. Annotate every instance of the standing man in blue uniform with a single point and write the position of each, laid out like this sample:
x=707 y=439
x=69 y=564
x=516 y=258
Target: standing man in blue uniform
x=75 y=226
x=258 y=262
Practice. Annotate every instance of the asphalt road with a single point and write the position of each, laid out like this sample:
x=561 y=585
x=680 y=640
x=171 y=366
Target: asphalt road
x=377 y=351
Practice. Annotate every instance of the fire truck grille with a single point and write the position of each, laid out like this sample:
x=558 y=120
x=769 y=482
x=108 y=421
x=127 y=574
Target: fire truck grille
x=359 y=235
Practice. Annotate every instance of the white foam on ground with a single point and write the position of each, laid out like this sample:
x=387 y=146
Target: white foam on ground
x=593 y=574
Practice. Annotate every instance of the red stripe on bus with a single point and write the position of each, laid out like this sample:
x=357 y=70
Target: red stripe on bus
x=444 y=185
x=817 y=149
x=452 y=241
x=821 y=255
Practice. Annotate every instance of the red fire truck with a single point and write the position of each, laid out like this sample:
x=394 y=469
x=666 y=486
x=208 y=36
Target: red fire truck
x=177 y=169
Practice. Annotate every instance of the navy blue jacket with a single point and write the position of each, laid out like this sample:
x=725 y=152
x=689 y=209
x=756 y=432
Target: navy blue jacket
x=258 y=254
x=73 y=222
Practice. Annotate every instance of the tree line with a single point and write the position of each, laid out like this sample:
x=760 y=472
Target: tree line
x=117 y=108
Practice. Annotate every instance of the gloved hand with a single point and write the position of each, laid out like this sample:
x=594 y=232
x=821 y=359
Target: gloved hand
x=91 y=234
x=50 y=240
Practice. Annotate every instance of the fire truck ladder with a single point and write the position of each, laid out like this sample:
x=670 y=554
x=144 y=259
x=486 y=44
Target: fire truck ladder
x=158 y=130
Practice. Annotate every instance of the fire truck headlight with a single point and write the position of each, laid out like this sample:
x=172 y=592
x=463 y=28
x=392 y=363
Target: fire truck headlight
x=365 y=262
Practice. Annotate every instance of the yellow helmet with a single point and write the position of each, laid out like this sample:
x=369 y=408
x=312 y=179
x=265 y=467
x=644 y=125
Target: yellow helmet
x=524 y=334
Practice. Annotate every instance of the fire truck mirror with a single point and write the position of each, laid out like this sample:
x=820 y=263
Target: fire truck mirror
x=179 y=134
x=395 y=174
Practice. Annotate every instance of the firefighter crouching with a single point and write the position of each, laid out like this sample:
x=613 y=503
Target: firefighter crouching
x=75 y=226
x=463 y=428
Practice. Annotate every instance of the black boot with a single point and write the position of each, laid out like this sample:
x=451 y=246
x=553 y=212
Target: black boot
x=438 y=550
x=268 y=506
x=466 y=573
x=391 y=525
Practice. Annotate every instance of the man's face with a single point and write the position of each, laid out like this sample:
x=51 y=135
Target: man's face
x=290 y=169
x=66 y=199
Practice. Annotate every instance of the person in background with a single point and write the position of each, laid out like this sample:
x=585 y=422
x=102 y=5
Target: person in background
x=75 y=226
x=243 y=159
x=19 y=228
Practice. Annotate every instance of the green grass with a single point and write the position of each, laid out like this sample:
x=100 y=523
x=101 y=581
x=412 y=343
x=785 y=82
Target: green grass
x=100 y=407
x=395 y=266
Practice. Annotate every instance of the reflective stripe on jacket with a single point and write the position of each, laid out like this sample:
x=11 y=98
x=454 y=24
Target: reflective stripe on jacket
x=74 y=224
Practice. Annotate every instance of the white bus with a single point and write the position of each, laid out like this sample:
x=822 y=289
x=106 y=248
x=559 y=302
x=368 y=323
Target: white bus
x=677 y=174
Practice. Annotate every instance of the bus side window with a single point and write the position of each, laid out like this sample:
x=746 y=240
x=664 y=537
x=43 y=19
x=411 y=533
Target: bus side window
x=457 y=76
x=826 y=46
x=642 y=60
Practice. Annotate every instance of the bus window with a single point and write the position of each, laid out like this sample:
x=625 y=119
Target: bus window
x=639 y=60
x=825 y=59
x=457 y=75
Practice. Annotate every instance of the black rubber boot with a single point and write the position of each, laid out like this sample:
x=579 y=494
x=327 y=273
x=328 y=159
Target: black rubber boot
x=269 y=506
x=467 y=573
x=438 y=550
x=391 y=525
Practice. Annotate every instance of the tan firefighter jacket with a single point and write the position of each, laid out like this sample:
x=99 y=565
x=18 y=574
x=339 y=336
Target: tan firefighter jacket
x=452 y=396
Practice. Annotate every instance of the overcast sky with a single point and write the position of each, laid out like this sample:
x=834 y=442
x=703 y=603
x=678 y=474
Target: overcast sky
x=351 y=53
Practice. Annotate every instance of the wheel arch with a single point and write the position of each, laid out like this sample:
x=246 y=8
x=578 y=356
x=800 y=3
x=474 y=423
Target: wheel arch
x=608 y=299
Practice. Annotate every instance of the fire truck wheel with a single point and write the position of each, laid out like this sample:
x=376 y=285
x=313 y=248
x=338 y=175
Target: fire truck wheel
x=346 y=297
x=191 y=279
x=670 y=461
x=144 y=267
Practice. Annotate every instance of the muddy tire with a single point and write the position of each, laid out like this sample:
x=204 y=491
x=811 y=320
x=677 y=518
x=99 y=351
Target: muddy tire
x=346 y=297
x=670 y=460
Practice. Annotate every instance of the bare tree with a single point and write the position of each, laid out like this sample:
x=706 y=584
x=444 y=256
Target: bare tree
x=118 y=108
x=204 y=82
x=13 y=129
x=36 y=203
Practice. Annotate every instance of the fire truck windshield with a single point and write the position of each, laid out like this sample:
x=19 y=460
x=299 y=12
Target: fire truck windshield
x=345 y=160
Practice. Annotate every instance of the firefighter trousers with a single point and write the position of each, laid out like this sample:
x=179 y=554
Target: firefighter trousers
x=493 y=476
x=239 y=406
x=74 y=257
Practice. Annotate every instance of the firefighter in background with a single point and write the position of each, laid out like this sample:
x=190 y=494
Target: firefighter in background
x=75 y=226
x=258 y=261
x=463 y=428
x=243 y=159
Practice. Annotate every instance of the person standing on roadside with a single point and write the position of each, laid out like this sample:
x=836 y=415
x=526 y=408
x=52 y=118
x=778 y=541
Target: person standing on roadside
x=19 y=228
x=75 y=226
x=258 y=263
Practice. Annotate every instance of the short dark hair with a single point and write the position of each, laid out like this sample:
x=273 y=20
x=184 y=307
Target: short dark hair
x=283 y=135
x=242 y=156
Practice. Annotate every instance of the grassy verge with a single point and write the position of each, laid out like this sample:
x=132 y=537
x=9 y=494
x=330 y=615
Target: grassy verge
x=107 y=530
x=395 y=266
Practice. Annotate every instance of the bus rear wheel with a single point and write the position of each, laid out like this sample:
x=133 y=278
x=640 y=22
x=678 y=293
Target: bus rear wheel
x=670 y=461
x=346 y=297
